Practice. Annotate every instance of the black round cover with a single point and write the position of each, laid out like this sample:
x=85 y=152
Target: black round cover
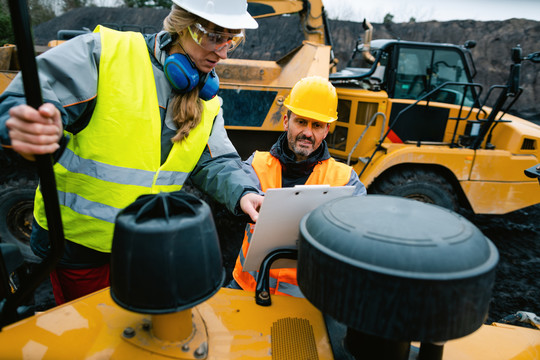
x=165 y=254
x=396 y=268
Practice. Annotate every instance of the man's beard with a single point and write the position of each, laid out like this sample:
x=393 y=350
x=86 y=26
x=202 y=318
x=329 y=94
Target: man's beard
x=300 y=150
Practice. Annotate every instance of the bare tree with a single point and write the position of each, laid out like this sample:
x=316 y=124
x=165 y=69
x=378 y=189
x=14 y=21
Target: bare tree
x=74 y=4
x=388 y=19
x=148 y=3
x=6 y=32
x=40 y=11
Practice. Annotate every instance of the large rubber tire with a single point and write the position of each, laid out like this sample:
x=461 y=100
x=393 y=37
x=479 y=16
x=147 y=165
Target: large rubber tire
x=418 y=184
x=16 y=207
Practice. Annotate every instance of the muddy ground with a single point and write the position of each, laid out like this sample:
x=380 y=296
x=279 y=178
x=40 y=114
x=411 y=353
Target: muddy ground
x=516 y=235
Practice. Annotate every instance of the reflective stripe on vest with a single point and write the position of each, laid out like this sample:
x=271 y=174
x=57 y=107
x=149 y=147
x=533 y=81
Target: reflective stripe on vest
x=117 y=157
x=268 y=170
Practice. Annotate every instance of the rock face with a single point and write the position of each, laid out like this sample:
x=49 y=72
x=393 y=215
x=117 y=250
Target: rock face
x=276 y=36
x=494 y=40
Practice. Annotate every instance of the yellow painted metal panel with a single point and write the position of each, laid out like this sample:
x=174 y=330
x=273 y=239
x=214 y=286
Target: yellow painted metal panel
x=279 y=7
x=496 y=197
x=306 y=60
x=510 y=136
x=458 y=161
x=5 y=79
x=496 y=342
x=451 y=134
x=372 y=135
x=501 y=165
x=92 y=327
x=236 y=328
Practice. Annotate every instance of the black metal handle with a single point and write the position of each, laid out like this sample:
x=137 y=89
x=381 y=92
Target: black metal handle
x=262 y=291
x=20 y=20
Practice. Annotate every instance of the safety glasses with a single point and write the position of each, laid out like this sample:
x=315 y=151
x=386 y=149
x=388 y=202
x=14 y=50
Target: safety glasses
x=215 y=40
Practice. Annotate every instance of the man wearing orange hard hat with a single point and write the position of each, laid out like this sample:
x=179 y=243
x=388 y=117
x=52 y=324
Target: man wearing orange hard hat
x=299 y=157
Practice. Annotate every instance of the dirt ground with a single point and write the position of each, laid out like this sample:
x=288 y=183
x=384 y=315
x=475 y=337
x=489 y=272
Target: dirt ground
x=516 y=235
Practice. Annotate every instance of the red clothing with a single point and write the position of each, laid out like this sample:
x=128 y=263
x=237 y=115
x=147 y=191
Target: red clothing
x=70 y=284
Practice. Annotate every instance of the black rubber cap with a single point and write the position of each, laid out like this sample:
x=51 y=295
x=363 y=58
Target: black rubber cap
x=165 y=254
x=396 y=268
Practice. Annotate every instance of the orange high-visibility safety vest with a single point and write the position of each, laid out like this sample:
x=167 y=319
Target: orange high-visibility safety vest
x=268 y=170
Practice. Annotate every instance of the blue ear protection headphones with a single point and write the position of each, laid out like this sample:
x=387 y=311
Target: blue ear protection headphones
x=183 y=75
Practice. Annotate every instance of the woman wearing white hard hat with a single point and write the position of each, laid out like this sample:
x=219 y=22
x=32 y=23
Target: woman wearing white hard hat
x=127 y=114
x=202 y=33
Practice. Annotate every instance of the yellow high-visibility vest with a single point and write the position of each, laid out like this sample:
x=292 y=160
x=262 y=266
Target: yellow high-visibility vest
x=117 y=157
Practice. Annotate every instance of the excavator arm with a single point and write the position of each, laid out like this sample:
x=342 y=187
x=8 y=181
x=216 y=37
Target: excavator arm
x=266 y=8
x=311 y=13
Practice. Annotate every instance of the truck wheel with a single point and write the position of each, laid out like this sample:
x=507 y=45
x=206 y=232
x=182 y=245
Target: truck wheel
x=418 y=184
x=16 y=207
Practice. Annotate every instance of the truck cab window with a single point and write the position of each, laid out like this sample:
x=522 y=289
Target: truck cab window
x=412 y=73
x=337 y=139
x=419 y=71
x=448 y=67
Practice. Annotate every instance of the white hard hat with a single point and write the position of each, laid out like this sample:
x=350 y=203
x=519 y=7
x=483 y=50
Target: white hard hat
x=229 y=14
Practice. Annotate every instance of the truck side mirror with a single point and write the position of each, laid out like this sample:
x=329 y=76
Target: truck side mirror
x=534 y=57
x=469 y=44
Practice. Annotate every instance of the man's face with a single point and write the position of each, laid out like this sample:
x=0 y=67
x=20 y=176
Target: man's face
x=304 y=135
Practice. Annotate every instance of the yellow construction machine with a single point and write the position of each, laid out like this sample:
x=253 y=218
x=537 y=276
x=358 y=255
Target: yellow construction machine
x=384 y=277
x=412 y=123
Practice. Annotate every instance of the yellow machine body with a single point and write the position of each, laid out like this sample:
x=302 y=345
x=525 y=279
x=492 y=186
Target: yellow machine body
x=488 y=179
x=492 y=180
x=227 y=326
x=230 y=325
x=233 y=326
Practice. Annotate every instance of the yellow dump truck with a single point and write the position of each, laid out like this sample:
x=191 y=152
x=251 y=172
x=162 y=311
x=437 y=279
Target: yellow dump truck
x=412 y=123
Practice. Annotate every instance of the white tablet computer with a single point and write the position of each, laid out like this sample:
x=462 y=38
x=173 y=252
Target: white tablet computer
x=279 y=219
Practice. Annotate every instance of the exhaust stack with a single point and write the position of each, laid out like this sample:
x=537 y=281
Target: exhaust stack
x=368 y=34
x=165 y=260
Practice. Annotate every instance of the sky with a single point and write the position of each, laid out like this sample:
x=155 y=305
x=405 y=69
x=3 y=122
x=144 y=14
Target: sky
x=426 y=10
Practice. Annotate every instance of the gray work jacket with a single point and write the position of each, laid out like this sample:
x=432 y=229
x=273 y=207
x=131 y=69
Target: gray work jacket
x=68 y=77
